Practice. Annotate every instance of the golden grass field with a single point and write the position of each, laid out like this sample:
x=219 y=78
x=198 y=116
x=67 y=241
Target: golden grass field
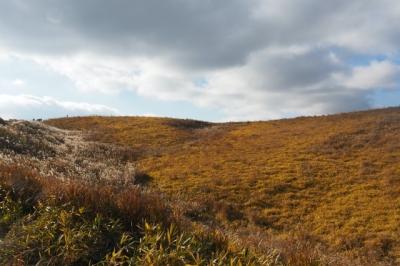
x=335 y=177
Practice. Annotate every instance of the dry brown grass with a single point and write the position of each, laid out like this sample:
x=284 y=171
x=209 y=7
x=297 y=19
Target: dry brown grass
x=131 y=203
x=336 y=176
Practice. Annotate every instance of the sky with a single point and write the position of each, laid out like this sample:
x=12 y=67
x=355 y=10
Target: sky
x=210 y=60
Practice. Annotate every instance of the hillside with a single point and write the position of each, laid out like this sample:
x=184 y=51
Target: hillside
x=67 y=201
x=335 y=177
x=159 y=191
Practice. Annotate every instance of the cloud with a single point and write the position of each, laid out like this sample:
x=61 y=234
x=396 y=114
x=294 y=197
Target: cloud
x=309 y=86
x=18 y=82
x=28 y=107
x=255 y=59
x=383 y=75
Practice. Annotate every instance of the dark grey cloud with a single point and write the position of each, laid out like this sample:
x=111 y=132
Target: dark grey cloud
x=200 y=32
x=301 y=69
x=204 y=33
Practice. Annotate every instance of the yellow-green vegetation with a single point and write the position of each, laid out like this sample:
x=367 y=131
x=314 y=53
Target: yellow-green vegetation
x=336 y=177
x=45 y=221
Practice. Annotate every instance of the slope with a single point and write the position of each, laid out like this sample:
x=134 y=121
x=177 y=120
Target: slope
x=335 y=177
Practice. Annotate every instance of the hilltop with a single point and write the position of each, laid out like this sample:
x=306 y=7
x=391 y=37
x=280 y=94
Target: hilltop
x=304 y=191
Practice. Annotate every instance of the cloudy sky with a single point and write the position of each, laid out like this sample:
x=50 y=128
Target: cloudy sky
x=210 y=59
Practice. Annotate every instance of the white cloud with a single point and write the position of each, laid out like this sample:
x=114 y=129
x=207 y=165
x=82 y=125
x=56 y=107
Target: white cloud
x=91 y=72
x=275 y=82
x=384 y=75
x=28 y=106
x=18 y=82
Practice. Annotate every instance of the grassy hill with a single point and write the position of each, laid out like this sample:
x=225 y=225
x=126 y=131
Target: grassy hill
x=67 y=201
x=335 y=177
x=159 y=191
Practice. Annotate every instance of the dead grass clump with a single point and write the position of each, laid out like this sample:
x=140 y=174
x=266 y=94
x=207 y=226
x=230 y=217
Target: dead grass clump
x=380 y=247
x=23 y=183
x=212 y=212
x=141 y=178
x=231 y=212
x=131 y=203
x=101 y=152
x=187 y=124
x=19 y=143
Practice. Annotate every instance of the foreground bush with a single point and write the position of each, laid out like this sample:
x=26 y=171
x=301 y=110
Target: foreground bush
x=59 y=236
x=49 y=222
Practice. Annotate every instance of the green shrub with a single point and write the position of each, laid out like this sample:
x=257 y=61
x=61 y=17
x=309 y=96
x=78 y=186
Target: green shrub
x=46 y=221
x=59 y=236
x=66 y=235
x=10 y=211
x=170 y=246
